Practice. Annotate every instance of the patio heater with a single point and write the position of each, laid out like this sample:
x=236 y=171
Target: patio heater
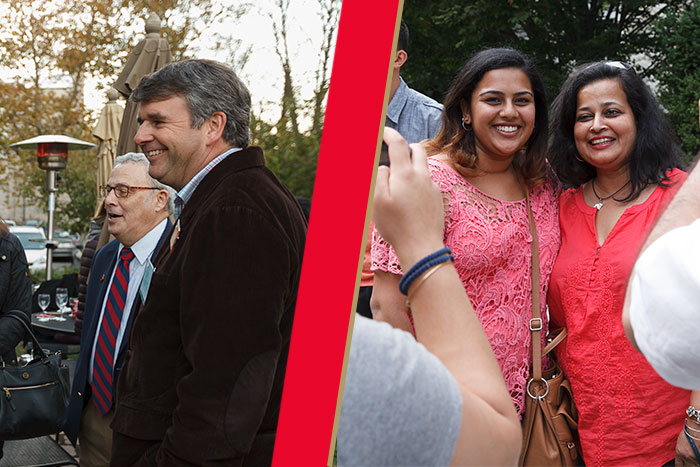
x=52 y=156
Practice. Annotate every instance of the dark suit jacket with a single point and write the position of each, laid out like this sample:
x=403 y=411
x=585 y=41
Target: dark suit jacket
x=202 y=381
x=102 y=265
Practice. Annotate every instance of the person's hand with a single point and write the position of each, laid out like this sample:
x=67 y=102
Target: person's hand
x=407 y=204
x=684 y=453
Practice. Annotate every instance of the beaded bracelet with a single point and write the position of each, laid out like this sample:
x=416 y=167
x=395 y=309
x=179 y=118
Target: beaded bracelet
x=423 y=265
x=423 y=279
x=693 y=413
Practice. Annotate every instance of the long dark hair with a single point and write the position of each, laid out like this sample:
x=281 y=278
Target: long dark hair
x=460 y=145
x=655 y=149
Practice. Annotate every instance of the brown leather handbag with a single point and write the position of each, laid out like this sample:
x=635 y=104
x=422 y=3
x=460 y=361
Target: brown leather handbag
x=550 y=422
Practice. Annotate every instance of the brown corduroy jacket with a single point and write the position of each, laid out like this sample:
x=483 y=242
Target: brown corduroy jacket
x=202 y=381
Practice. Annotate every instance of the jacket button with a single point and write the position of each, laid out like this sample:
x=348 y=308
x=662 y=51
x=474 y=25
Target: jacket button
x=80 y=394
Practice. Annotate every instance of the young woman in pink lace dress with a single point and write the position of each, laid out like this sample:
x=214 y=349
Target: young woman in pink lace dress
x=612 y=144
x=492 y=144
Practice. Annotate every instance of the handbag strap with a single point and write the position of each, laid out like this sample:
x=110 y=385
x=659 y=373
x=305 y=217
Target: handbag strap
x=561 y=334
x=536 y=321
x=22 y=318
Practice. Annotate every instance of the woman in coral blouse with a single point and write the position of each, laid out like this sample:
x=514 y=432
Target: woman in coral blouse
x=492 y=144
x=611 y=143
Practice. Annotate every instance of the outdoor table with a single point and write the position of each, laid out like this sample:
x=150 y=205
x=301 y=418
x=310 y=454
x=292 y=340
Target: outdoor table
x=48 y=321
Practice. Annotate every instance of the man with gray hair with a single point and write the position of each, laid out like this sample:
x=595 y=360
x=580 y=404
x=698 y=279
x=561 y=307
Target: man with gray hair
x=137 y=209
x=202 y=382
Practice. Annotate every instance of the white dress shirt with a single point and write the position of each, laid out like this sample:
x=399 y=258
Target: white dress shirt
x=142 y=249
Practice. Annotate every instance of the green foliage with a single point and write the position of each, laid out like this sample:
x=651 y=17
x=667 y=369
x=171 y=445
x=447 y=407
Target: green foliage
x=30 y=111
x=291 y=156
x=42 y=43
x=76 y=39
x=57 y=271
x=556 y=35
x=290 y=151
x=71 y=40
x=678 y=73
x=79 y=181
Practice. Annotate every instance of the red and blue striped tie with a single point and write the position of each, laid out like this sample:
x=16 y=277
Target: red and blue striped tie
x=102 y=384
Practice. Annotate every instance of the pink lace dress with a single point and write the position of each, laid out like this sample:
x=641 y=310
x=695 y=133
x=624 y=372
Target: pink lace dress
x=490 y=240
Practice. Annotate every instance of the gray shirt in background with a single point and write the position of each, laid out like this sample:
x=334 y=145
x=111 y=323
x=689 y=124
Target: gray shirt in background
x=400 y=404
x=414 y=115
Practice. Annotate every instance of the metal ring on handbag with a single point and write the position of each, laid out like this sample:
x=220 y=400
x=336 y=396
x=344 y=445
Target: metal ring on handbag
x=546 y=384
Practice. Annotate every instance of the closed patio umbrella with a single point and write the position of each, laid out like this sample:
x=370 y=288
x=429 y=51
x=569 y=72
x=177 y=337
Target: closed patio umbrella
x=107 y=132
x=149 y=55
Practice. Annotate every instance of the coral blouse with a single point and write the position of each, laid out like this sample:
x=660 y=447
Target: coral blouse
x=490 y=240
x=628 y=415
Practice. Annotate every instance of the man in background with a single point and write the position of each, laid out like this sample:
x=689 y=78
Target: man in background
x=417 y=117
x=414 y=115
x=137 y=207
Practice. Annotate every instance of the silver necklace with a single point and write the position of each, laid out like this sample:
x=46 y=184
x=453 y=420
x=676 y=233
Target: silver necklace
x=599 y=204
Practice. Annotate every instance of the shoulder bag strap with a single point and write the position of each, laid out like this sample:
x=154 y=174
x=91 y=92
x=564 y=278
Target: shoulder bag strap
x=536 y=321
x=560 y=335
x=22 y=318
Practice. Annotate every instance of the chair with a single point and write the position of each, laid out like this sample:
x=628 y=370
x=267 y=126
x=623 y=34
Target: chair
x=43 y=451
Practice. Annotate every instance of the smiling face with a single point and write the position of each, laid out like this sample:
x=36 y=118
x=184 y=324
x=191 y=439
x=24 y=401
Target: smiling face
x=175 y=149
x=502 y=113
x=132 y=217
x=605 y=130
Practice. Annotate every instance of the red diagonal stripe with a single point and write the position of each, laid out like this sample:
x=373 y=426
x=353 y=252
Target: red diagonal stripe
x=116 y=296
x=105 y=368
x=114 y=319
x=100 y=403
x=101 y=384
x=119 y=276
x=105 y=350
x=102 y=398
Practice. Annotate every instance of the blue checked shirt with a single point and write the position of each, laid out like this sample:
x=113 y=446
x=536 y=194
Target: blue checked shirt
x=185 y=194
x=414 y=115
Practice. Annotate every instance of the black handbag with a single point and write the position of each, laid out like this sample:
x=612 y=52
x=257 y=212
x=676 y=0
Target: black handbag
x=35 y=395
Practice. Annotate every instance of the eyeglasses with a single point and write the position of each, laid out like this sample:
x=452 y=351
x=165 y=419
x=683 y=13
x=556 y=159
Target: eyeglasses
x=122 y=191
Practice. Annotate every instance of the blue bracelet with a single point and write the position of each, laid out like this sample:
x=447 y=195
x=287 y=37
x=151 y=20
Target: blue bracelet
x=423 y=265
x=418 y=269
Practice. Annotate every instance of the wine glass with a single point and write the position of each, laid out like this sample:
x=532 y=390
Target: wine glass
x=43 y=299
x=61 y=300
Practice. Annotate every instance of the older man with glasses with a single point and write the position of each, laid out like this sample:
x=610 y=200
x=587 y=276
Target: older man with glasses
x=137 y=215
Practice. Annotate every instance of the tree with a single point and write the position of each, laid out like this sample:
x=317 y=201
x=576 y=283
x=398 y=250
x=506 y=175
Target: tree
x=556 y=35
x=184 y=19
x=39 y=44
x=678 y=72
x=291 y=151
x=329 y=14
x=72 y=40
